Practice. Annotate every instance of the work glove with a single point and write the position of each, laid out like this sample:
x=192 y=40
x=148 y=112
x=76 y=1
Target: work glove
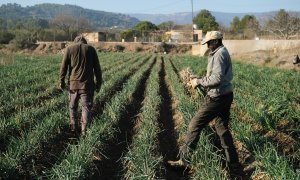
x=97 y=88
x=193 y=77
x=62 y=85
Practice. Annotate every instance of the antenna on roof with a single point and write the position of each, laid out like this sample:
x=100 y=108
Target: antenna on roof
x=192 y=2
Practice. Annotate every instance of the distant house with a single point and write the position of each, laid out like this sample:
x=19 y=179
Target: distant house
x=95 y=36
x=184 y=33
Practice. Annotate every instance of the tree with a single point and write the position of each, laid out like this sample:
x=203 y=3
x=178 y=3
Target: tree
x=250 y=26
x=82 y=25
x=166 y=26
x=247 y=27
x=23 y=39
x=70 y=25
x=36 y=24
x=128 y=35
x=3 y=24
x=145 y=26
x=6 y=37
x=64 y=22
x=235 y=25
x=283 y=25
x=250 y=22
x=205 y=21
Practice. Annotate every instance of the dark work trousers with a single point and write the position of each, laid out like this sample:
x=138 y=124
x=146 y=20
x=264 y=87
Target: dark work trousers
x=219 y=108
x=86 y=101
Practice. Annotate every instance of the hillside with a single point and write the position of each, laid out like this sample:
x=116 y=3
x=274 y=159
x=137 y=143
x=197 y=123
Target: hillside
x=186 y=17
x=98 y=19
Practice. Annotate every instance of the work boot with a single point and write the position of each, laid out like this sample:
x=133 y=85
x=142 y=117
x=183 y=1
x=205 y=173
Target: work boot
x=73 y=128
x=236 y=171
x=179 y=164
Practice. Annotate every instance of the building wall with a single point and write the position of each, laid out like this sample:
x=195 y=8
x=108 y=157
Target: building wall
x=181 y=36
x=199 y=35
x=92 y=37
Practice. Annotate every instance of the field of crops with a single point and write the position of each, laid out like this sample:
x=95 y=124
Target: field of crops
x=140 y=117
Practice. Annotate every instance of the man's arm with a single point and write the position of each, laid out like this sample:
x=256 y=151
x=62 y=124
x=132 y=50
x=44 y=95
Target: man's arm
x=218 y=73
x=97 y=70
x=64 y=68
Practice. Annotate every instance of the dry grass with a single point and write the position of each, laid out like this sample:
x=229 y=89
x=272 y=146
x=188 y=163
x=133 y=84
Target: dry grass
x=8 y=58
x=272 y=58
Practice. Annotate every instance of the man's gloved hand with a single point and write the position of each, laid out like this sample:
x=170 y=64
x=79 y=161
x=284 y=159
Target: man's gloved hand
x=194 y=76
x=194 y=83
x=97 y=88
x=62 y=85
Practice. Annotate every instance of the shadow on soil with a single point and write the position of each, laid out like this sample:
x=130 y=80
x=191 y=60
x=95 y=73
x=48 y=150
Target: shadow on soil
x=112 y=167
x=168 y=136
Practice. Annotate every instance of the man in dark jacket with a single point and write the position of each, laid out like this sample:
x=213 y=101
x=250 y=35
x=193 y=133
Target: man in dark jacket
x=82 y=62
x=216 y=104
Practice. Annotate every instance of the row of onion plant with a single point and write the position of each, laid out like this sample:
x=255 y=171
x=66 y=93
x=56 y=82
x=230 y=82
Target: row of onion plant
x=272 y=164
x=21 y=147
x=142 y=160
x=77 y=162
x=206 y=162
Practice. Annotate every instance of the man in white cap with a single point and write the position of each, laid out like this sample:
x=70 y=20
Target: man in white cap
x=216 y=104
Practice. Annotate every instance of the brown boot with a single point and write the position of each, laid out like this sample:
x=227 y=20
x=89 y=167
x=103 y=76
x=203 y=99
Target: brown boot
x=73 y=128
x=236 y=171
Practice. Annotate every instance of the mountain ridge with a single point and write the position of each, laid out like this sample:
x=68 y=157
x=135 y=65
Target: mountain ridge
x=102 y=19
x=48 y=11
x=223 y=18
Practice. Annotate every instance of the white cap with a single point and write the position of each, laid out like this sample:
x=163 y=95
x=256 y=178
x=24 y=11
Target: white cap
x=210 y=35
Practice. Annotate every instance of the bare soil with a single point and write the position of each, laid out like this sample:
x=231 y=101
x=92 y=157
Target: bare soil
x=112 y=167
x=268 y=58
x=282 y=59
x=58 y=48
x=168 y=120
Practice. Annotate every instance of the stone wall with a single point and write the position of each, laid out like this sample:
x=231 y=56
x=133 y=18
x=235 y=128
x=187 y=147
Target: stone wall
x=244 y=46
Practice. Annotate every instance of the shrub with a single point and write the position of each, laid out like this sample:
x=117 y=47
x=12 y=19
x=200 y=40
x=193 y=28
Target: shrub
x=5 y=37
x=23 y=39
x=119 y=48
x=138 y=49
x=161 y=47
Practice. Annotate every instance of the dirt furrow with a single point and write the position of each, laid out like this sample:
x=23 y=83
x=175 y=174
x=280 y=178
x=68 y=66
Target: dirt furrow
x=112 y=167
x=168 y=136
x=285 y=144
x=50 y=152
x=47 y=155
x=118 y=86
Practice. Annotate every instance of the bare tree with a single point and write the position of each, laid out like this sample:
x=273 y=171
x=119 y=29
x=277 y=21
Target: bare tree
x=70 y=25
x=83 y=25
x=283 y=25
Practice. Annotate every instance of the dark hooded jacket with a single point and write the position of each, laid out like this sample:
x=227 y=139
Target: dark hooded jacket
x=83 y=64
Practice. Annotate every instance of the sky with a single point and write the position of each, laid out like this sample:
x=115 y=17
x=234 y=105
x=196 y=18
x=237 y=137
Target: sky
x=172 y=6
